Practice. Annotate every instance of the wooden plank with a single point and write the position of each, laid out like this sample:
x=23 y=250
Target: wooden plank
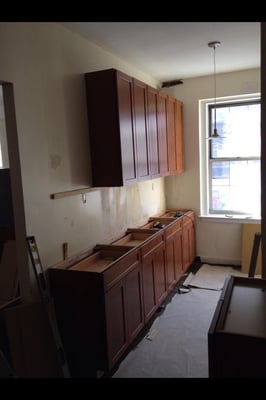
x=248 y=232
x=74 y=192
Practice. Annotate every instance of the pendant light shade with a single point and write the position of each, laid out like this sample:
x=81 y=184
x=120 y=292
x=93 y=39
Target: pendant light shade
x=214 y=45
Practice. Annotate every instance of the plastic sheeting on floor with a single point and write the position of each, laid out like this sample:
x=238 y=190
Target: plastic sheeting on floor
x=179 y=340
x=212 y=277
x=209 y=277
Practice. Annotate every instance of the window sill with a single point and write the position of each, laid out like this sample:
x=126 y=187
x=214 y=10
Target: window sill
x=230 y=219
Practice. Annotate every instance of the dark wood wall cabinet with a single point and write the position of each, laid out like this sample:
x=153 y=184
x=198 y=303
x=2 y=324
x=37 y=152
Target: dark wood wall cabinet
x=104 y=300
x=237 y=334
x=135 y=130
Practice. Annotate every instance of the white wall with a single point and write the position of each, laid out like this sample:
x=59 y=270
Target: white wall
x=46 y=63
x=216 y=242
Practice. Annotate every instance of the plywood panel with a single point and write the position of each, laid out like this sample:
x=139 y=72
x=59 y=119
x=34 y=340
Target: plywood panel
x=248 y=232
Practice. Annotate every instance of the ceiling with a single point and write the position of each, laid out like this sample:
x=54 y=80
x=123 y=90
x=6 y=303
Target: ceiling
x=177 y=50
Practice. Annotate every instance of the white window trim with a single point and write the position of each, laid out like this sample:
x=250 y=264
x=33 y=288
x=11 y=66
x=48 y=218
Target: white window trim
x=204 y=166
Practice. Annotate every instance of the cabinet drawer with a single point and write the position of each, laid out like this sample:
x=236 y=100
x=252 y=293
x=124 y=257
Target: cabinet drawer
x=120 y=269
x=171 y=229
x=151 y=244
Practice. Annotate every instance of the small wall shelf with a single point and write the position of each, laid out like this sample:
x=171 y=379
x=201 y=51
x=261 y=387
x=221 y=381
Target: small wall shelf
x=68 y=193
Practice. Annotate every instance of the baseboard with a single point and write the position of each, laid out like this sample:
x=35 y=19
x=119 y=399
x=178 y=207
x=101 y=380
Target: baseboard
x=220 y=261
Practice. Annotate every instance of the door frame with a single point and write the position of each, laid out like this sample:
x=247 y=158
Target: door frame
x=17 y=190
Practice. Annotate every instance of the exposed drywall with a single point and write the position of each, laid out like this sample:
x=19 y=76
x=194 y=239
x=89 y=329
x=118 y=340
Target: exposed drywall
x=215 y=241
x=46 y=63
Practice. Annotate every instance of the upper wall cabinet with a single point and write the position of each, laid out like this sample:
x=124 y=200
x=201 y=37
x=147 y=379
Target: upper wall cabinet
x=111 y=128
x=129 y=126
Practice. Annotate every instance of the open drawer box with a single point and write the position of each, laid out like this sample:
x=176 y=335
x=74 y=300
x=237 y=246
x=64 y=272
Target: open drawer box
x=135 y=237
x=103 y=258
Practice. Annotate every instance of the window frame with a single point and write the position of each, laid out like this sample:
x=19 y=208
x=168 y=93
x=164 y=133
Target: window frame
x=205 y=107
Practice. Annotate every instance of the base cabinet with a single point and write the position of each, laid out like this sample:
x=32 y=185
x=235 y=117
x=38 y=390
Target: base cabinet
x=154 y=281
x=153 y=275
x=124 y=315
x=99 y=314
x=104 y=300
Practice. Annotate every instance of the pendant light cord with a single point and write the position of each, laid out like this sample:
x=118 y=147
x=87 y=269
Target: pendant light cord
x=214 y=63
x=213 y=45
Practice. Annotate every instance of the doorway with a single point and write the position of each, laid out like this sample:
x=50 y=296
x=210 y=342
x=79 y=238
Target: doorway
x=13 y=250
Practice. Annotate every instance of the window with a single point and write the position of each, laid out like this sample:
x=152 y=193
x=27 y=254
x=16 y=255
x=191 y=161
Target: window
x=230 y=165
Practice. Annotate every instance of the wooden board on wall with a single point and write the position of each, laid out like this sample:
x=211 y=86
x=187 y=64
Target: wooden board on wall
x=248 y=232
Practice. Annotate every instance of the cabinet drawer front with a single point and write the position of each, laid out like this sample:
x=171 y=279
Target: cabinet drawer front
x=171 y=229
x=151 y=244
x=120 y=269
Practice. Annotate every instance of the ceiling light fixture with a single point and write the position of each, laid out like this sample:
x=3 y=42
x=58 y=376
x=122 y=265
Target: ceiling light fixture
x=214 y=45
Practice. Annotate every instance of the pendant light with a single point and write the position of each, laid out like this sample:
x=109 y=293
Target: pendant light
x=214 y=45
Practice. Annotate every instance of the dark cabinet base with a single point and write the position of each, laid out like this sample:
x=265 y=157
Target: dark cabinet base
x=237 y=335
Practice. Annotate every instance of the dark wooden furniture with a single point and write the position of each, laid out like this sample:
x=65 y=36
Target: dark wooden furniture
x=104 y=300
x=99 y=307
x=237 y=334
x=111 y=128
x=135 y=130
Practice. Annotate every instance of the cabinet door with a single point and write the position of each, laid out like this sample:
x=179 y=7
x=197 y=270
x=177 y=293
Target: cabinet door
x=179 y=136
x=174 y=258
x=171 y=135
x=148 y=276
x=141 y=132
x=134 y=305
x=152 y=126
x=185 y=247
x=160 y=274
x=188 y=240
x=175 y=135
x=126 y=123
x=154 y=280
x=178 y=255
x=115 y=311
x=192 y=243
x=170 y=261
x=162 y=133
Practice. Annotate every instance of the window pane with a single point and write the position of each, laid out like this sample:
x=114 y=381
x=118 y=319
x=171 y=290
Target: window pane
x=235 y=186
x=239 y=127
x=220 y=169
